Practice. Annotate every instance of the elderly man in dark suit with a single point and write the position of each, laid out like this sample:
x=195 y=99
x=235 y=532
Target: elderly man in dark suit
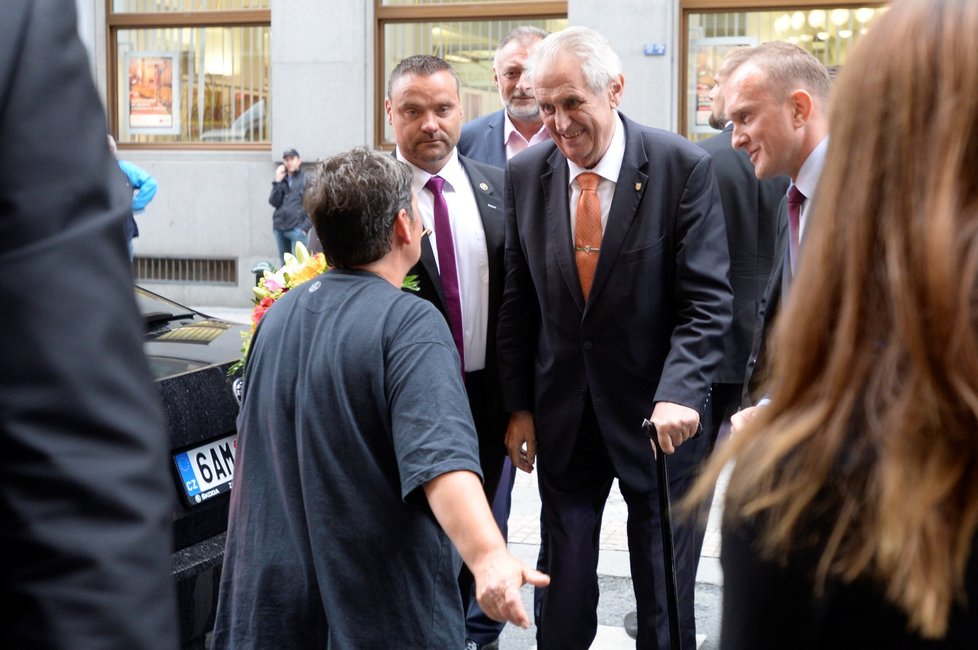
x=615 y=308
x=87 y=499
x=497 y=137
x=461 y=266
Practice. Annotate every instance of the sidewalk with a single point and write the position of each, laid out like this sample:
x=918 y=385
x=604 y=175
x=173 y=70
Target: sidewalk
x=614 y=573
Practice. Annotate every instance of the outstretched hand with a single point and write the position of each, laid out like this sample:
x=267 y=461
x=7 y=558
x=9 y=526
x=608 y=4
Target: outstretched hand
x=497 y=587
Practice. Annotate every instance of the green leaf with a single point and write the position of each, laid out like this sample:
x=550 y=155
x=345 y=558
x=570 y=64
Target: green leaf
x=411 y=283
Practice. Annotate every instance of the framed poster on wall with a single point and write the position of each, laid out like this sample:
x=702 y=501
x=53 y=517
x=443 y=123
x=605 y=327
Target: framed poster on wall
x=153 y=106
x=706 y=55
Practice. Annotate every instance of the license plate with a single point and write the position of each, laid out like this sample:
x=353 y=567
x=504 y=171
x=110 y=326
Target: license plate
x=208 y=470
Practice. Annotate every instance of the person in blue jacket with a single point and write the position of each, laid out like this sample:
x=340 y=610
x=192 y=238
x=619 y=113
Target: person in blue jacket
x=142 y=187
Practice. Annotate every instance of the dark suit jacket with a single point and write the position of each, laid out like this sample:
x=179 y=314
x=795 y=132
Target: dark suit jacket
x=750 y=209
x=652 y=329
x=490 y=420
x=87 y=497
x=482 y=139
x=757 y=363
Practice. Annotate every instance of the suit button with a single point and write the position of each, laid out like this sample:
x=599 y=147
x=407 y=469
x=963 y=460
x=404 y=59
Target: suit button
x=587 y=345
x=582 y=393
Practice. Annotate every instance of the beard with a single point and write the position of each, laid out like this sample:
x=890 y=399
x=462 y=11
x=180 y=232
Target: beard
x=525 y=112
x=718 y=122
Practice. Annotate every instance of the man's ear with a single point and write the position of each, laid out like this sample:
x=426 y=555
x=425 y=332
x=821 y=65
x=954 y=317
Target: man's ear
x=616 y=90
x=802 y=105
x=388 y=108
x=404 y=228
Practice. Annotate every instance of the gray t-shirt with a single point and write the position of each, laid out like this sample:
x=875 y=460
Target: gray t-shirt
x=353 y=400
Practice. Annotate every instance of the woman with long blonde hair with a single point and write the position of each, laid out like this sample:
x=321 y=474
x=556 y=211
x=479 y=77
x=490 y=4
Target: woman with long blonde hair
x=851 y=511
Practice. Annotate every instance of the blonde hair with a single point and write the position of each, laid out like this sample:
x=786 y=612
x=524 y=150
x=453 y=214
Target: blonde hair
x=873 y=424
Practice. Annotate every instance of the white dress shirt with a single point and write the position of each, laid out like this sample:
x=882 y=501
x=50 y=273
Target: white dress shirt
x=807 y=181
x=471 y=254
x=608 y=169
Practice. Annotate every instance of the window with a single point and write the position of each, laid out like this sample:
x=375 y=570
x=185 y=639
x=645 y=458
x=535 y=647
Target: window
x=189 y=71
x=463 y=33
x=828 y=31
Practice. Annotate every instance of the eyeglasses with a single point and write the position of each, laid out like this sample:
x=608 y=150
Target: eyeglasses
x=426 y=233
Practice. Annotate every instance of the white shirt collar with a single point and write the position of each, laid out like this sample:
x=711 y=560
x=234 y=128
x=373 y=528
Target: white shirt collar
x=807 y=180
x=451 y=171
x=609 y=166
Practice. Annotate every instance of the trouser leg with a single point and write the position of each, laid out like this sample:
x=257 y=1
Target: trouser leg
x=573 y=502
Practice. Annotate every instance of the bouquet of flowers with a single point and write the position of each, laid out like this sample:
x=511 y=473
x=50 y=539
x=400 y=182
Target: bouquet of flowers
x=296 y=270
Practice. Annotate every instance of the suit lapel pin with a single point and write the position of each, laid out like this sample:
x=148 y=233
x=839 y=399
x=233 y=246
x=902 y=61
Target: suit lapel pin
x=483 y=187
x=638 y=187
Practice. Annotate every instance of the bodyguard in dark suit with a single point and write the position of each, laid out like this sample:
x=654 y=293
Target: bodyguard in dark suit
x=424 y=108
x=87 y=499
x=589 y=347
x=777 y=100
x=750 y=210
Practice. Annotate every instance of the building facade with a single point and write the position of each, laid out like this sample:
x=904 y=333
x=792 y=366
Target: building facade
x=207 y=94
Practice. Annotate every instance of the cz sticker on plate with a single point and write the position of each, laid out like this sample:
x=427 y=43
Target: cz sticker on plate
x=208 y=470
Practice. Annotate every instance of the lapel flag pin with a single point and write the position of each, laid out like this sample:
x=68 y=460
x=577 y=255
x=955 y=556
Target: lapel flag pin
x=483 y=187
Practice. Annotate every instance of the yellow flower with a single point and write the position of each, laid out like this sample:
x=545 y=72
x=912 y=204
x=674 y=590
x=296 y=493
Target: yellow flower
x=309 y=269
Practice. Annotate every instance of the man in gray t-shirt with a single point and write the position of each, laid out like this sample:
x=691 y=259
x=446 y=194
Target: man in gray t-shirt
x=357 y=460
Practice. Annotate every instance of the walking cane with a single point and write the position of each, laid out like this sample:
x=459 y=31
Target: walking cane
x=668 y=549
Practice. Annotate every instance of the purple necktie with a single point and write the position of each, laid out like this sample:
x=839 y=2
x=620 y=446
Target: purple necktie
x=795 y=200
x=446 y=264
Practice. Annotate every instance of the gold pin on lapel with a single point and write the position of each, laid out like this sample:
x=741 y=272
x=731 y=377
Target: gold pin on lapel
x=483 y=187
x=638 y=187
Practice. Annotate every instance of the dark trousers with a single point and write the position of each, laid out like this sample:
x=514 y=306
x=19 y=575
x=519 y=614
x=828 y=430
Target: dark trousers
x=573 y=504
x=480 y=627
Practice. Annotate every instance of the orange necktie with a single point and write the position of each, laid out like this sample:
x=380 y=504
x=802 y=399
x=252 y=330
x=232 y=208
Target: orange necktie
x=587 y=230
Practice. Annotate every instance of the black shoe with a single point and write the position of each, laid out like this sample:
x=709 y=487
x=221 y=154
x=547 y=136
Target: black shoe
x=631 y=624
x=472 y=645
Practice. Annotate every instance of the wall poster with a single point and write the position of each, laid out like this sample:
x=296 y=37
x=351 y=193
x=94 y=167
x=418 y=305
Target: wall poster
x=153 y=106
x=706 y=55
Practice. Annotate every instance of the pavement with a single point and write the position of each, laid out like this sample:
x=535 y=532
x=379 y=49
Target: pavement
x=614 y=573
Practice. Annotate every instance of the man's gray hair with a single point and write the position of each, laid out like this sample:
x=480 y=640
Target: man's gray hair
x=600 y=64
x=353 y=199
x=525 y=35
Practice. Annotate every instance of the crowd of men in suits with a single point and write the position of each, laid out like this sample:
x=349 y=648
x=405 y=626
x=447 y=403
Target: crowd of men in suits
x=590 y=271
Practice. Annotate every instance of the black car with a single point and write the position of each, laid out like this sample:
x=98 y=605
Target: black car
x=189 y=354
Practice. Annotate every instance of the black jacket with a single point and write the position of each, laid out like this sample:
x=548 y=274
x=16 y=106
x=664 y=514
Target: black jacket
x=286 y=198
